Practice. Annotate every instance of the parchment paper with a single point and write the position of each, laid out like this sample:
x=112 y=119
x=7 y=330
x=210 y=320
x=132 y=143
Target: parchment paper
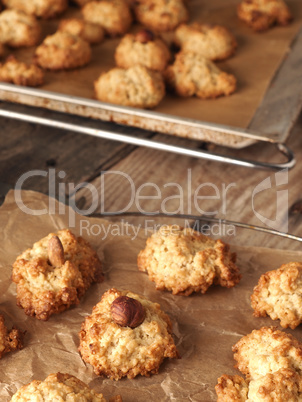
x=254 y=64
x=205 y=326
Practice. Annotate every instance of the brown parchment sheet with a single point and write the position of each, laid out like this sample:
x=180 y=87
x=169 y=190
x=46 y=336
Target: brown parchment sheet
x=254 y=64
x=205 y=326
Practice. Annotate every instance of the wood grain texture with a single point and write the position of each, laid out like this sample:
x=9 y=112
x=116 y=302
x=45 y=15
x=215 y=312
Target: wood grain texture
x=231 y=189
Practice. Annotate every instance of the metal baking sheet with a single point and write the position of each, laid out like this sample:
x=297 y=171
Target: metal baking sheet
x=271 y=121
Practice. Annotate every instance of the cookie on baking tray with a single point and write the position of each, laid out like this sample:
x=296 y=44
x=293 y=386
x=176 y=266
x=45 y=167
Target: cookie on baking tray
x=54 y=274
x=39 y=8
x=10 y=340
x=62 y=51
x=81 y=3
x=18 y=29
x=19 y=73
x=137 y=87
x=161 y=15
x=267 y=350
x=279 y=295
x=142 y=49
x=59 y=387
x=92 y=33
x=126 y=335
x=280 y=386
x=260 y=15
x=214 y=42
x=113 y=15
x=185 y=261
x=192 y=74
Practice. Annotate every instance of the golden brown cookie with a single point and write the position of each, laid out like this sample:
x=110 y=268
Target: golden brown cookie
x=231 y=389
x=20 y=73
x=137 y=87
x=192 y=74
x=39 y=8
x=280 y=386
x=214 y=42
x=57 y=387
x=161 y=15
x=54 y=274
x=92 y=33
x=185 y=261
x=126 y=335
x=113 y=15
x=142 y=49
x=18 y=29
x=279 y=295
x=262 y=14
x=267 y=350
x=10 y=340
x=63 y=51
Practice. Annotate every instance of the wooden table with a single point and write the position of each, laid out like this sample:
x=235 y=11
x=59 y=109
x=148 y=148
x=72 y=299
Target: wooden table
x=173 y=179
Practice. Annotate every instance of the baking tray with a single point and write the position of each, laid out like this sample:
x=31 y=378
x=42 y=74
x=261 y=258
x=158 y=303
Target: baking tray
x=231 y=121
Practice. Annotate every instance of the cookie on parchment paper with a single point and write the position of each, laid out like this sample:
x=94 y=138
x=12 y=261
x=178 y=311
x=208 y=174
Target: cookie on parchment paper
x=161 y=15
x=18 y=29
x=279 y=295
x=54 y=274
x=113 y=15
x=59 y=387
x=267 y=350
x=126 y=335
x=143 y=49
x=280 y=386
x=137 y=87
x=184 y=261
x=10 y=340
x=260 y=15
x=192 y=74
x=39 y=8
x=214 y=42
x=19 y=73
x=92 y=33
x=63 y=51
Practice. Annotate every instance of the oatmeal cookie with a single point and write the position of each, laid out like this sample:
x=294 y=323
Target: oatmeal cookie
x=185 y=261
x=20 y=73
x=161 y=15
x=279 y=295
x=10 y=340
x=262 y=14
x=142 y=49
x=214 y=42
x=63 y=51
x=92 y=33
x=113 y=15
x=58 y=387
x=54 y=274
x=126 y=335
x=282 y=385
x=231 y=389
x=267 y=350
x=136 y=87
x=18 y=29
x=39 y=8
x=192 y=74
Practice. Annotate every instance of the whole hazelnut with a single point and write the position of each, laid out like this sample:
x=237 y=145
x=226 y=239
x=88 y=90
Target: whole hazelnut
x=144 y=36
x=127 y=312
x=55 y=252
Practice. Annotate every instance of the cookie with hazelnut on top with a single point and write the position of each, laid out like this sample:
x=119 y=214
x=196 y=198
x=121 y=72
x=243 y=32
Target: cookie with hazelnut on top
x=126 y=335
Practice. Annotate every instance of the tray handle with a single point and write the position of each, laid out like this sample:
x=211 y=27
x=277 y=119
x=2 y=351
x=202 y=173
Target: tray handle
x=128 y=139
